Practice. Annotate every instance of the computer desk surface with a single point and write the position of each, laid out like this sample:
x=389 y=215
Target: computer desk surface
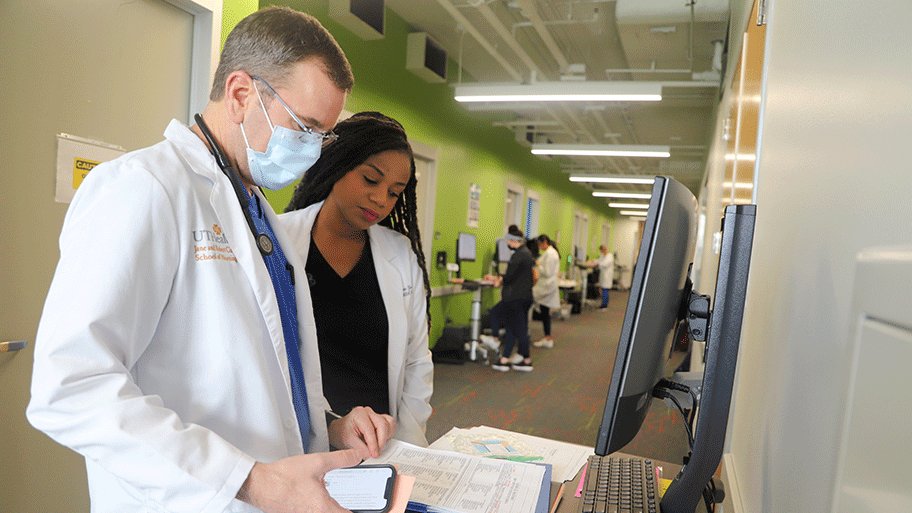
x=570 y=502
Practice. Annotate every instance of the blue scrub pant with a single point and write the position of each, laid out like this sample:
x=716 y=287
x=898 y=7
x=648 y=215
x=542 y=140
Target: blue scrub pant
x=514 y=317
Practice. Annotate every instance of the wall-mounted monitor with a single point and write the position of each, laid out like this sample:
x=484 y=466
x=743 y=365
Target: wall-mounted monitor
x=503 y=251
x=579 y=253
x=465 y=247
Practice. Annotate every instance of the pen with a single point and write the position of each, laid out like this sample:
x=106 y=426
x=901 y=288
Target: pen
x=333 y=414
x=558 y=497
x=416 y=507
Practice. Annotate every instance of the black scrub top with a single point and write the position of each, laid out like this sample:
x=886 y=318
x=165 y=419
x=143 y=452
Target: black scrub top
x=352 y=332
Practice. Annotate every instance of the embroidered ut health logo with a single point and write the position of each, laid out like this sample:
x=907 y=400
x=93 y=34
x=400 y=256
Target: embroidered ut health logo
x=213 y=235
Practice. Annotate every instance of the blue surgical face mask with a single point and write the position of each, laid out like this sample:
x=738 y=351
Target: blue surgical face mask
x=289 y=153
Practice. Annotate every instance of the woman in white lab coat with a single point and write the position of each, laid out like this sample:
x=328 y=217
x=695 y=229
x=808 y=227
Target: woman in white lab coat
x=545 y=293
x=353 y=221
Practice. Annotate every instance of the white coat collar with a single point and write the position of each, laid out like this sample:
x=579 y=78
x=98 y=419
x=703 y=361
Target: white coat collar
x=382 y=239
x=193 y=149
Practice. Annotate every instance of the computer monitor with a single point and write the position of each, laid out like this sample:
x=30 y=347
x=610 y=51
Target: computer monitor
x=579 y=253
x=465 y=247
x=723 y=338
x=504 y=252
x=653 y=312
x=650 y=346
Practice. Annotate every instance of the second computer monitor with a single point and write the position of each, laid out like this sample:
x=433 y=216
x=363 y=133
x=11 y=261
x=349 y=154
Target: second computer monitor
x=654 y=310
x=504 y=252
x=465 y=247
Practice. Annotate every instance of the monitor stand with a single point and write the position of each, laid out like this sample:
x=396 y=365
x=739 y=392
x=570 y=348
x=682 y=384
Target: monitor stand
x=475 y=345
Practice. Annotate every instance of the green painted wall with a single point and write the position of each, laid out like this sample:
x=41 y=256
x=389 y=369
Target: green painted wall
x=470 y=150
x=234 y=11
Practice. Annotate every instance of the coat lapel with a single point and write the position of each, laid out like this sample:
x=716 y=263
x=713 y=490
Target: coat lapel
x=307 y=328
x=389 y=277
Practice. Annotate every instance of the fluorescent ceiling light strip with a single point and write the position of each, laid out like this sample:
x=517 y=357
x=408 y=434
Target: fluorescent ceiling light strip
x=589 y=91
x=600 y=153
x=559 y=98
x=622 y=195
x=628 y=205
x=611 y=179
x=738 y=185
x=634 y=213
x=603 y=150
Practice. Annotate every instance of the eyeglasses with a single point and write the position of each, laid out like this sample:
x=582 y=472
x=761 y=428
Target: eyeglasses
x=328 y=136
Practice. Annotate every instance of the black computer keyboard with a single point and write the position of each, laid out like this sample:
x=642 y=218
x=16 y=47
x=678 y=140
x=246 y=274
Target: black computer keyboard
x=619 y=485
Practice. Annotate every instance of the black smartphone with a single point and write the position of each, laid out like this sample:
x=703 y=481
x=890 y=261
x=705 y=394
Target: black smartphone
x=362 y=489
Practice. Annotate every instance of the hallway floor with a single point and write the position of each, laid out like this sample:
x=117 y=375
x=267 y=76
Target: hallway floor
x=562 y=398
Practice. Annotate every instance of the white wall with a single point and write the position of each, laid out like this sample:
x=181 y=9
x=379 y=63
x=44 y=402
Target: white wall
x=834 y=177
x=625 y=244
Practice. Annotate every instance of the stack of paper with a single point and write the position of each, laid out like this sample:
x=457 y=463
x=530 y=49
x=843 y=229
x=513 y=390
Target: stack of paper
x=565 y=459
x=448 y=482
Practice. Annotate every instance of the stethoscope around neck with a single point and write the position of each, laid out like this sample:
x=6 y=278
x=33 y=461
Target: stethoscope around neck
x=263 y=241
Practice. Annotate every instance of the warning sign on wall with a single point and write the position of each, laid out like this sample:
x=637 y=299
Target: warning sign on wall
x=76 y=156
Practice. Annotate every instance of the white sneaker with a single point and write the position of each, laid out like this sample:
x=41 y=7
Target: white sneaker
x=490 y=342
x=500 y=366
x=522 y=366
x=545 y=342
x=516 y=358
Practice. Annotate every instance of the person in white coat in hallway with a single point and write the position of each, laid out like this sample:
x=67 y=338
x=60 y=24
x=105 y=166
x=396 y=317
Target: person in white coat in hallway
x=545 y=292
x=174 y=351
x=605 y=265
x=353 y=220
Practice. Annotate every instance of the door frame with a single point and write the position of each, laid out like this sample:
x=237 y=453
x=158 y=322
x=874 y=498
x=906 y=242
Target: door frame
x=207 y=39
x=428 y=154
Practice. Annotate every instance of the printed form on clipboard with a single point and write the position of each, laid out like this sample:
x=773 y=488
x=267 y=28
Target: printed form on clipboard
x=566 y=459
x=449 y=482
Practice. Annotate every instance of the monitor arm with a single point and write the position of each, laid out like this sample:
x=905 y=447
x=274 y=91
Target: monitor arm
x=698 y=315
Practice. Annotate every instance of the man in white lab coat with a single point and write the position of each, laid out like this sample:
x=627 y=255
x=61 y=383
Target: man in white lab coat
x=605 y=264
x=174 y=352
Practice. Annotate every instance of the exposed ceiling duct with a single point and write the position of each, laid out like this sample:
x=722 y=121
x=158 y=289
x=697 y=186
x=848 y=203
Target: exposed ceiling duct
x=547 y=46
x=690 y=35
x=670 y=12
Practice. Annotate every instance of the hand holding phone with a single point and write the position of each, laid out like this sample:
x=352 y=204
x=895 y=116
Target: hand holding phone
x=362 y=489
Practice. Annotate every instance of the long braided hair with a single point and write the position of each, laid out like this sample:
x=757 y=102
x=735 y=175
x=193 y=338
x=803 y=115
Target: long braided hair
x=360 y=136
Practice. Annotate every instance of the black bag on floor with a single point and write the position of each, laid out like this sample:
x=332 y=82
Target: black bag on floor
x=450 y=346
x=575 y=298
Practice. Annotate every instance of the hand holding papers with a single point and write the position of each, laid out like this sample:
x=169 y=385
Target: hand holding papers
x=455 y=483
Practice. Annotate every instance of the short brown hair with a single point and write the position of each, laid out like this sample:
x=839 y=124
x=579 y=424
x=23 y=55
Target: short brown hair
x=268 y=42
